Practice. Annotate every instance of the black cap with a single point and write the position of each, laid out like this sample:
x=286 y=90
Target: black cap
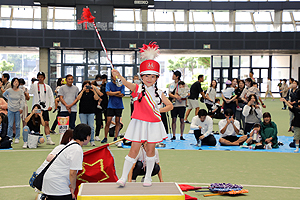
x=177 y=73
x=41 y=73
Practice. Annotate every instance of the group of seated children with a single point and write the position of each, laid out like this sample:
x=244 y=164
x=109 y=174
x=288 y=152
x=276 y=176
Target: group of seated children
x=263 y=135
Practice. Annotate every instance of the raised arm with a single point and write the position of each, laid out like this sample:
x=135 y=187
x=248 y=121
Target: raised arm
x=130 y=86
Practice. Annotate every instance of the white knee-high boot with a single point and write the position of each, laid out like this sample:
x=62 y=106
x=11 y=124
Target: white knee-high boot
x=126 y=169
x=150 y=161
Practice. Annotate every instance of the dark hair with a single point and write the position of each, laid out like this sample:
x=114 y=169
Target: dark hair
x=2 y=116
x=181 y=83
x=21 y=81
x=33 y=118
x=156 y=93
x=257 y=125
x=284 y=80
x=200 y=76
x=12 y=82
x=68 y=135
x=6 y=75
x=85 y=82
x=58 y=82
x=292 y=79
x=254 y=83
x=0 y=79
x=202 y=112
x=216 y=83
x=41 y=74
x=98 y=76
x=241 y=81
x=228 y=112
x=69 y=75
x=237 y=80
x=81 y=132
x=266 y=114
x=177 y=73
x=250 y=81
x=217 y=100
x=252 y=95
x=252 y=72
x=104 y=76
x=296 y=82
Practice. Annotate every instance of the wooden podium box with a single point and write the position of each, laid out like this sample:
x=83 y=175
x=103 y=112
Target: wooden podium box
x=131 y=191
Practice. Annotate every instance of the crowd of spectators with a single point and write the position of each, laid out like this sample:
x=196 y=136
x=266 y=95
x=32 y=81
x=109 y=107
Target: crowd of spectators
x=101 y=101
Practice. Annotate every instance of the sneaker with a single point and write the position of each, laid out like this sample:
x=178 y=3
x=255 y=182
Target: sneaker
x=142 y=180
x=50 y=142
x=17 y=141
x=217 y=133
x=104 y=140
x=115 y=139
x=187 y=121
x=263 y=99
x=239 y=108
x=93 y=144
x=296 y=151
x=147 y=182
x=269 y=146
x=120 y=182
x=99 y=107
x=120 y=144
x=25 y=145
x=173 y=138
x=273 y=99
x=97 y=138
x=52 y=132
x=199 y=143
x=241 y=132
x=245 y=144
x=283 y=108
x=181 y=138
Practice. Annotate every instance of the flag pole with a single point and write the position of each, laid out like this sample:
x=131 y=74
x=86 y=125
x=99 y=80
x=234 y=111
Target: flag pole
x=119 y=140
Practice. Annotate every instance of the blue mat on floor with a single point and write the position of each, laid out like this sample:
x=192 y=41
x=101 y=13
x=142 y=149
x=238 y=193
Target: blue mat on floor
x=190 y=141
x=7 y=149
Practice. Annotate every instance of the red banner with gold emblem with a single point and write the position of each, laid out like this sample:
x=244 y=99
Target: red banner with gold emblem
x=98 y=166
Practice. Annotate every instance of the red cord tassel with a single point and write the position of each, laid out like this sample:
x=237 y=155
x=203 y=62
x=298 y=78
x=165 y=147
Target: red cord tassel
x=86 y=17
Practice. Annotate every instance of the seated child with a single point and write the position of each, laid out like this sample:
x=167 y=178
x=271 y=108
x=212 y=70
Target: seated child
x=216 y=110
x=255 y=139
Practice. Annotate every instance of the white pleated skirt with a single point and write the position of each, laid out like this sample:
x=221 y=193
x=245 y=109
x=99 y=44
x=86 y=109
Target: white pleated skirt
x=142 y=131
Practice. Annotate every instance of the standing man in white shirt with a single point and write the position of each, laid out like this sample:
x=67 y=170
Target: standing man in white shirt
x=203 y=127
x=43 y=95
x=229 y=128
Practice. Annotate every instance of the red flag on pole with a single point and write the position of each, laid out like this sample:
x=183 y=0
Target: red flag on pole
x=98 y=166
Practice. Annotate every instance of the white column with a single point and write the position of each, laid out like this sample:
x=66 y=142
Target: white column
x=43 y=62
x=144 y=19
x=295 y=66
x=277 y=20
x=44 y=17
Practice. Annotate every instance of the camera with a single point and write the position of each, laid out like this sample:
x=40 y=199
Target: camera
x=38 y=111
x=34 y=79
x=43 y=104
x=88 y=87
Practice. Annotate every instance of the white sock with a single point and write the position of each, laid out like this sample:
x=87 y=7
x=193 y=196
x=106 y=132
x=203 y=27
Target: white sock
x=150 y=161
x=127 y=167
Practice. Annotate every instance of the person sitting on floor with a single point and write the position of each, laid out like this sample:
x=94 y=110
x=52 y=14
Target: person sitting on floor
x=229 y=128
x=5 y=143
x=255 y=139
x=203 y=127
x=216 y=110
x=269 y=132
x=139 y=168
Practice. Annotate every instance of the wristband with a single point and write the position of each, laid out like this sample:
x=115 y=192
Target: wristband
x=263 y=104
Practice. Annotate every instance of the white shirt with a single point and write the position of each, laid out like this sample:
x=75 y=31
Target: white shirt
x=207 y=125
x=212 y=94
x=228 y=92
x=47 y=97
x=229 y=130
x=55 y=151
x=269 y=84
x=57 y=177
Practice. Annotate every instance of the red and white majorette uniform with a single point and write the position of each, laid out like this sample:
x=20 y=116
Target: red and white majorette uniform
x=146 y=124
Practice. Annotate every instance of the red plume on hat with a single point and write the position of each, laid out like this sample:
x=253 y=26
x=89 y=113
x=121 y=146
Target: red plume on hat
x=148 y=53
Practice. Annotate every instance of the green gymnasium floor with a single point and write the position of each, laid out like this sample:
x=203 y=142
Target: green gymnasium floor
x=266 y=175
